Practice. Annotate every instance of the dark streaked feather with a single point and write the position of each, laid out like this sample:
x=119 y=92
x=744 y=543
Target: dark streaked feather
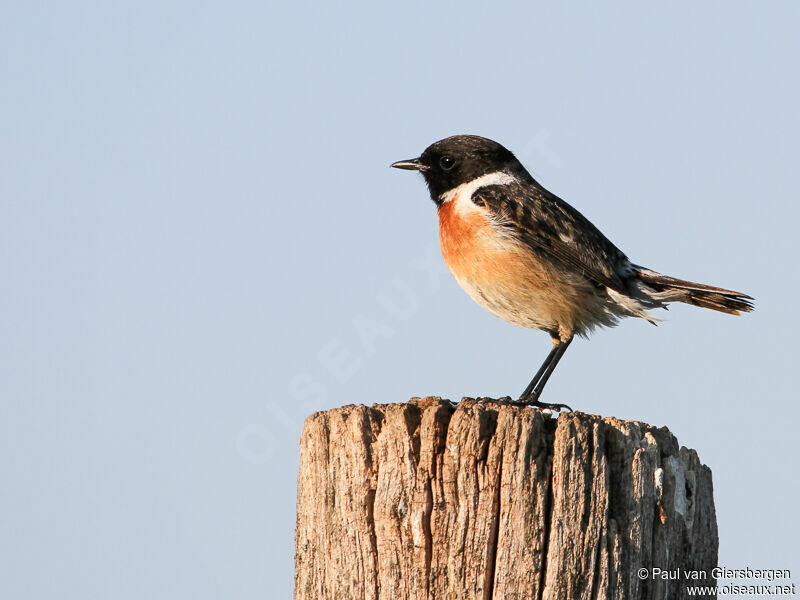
x=699 y=294
x=549 y=225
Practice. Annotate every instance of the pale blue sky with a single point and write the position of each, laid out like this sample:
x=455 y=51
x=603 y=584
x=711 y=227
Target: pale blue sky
x=202 y=243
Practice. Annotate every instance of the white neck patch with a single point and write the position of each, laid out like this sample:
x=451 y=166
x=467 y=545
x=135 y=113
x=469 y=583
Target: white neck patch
x=465 y=190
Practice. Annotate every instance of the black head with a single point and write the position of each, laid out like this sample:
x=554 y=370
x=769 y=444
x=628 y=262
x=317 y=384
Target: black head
x=459 y=159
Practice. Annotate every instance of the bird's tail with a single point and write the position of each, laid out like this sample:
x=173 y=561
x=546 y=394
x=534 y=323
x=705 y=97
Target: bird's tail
x=669 y=289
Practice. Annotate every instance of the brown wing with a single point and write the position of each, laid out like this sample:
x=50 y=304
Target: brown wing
x=547 y=224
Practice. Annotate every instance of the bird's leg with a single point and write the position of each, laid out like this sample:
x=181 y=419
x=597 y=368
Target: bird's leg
x=560 y=350
x=531 y=394
x=539 y=373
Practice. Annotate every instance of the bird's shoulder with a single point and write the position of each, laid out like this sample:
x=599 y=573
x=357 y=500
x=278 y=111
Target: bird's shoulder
x=547 y=224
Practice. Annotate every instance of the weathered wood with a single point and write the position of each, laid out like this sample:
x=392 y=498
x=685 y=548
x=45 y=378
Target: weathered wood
x=429 y=500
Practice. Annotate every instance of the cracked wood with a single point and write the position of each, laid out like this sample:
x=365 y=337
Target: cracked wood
x=429 y=500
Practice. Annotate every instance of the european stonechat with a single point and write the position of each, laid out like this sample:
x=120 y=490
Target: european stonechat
x=528 y=257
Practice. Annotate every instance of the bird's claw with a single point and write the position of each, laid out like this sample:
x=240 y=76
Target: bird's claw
x=544 y=405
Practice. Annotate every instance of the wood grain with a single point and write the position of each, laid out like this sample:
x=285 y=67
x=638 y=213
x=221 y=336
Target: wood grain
x=429 y=500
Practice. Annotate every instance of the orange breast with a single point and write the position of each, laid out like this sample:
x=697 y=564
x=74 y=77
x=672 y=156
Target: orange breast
x=473 y=250
x=504 y=276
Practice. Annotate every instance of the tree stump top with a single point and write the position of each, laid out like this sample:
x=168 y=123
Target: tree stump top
x=484 y=499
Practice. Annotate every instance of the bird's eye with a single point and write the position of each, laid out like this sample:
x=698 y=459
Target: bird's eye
x=447 y=163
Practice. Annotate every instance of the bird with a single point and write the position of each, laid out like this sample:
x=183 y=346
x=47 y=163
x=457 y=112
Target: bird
x=528 y=257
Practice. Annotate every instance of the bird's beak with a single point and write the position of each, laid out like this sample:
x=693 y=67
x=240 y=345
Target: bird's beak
x=409 y=165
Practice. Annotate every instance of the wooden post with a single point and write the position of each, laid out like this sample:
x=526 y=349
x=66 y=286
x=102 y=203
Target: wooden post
x=431 y=500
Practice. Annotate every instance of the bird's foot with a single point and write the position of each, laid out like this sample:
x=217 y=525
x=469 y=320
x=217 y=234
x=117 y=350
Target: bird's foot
x=533 y=401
